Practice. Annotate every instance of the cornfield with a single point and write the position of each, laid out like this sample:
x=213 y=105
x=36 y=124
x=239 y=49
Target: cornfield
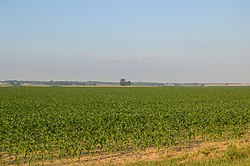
x=49 y=123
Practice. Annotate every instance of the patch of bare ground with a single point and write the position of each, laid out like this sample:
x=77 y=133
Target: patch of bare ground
x=196 y=151
x=2 y=85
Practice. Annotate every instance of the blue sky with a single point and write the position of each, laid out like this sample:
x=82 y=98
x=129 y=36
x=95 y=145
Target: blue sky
x=141 y=40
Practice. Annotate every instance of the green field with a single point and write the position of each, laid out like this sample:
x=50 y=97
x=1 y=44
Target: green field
x=49 y=123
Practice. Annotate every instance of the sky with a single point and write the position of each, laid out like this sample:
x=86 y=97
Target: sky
x=140 y=40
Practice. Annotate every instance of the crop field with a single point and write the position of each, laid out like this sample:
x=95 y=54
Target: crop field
x=51 y=123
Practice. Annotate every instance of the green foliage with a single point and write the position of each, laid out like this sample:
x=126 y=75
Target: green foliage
x=123 y=82
x=51 y=123
x=234 y=154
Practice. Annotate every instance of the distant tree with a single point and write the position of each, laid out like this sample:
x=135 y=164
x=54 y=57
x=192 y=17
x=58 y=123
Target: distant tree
x=128 y=83
x=123 y=82
x=14 y=83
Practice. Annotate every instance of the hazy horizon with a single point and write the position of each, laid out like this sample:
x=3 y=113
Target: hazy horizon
x=143 y=40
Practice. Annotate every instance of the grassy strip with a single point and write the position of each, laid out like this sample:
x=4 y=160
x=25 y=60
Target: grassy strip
x=232 y=155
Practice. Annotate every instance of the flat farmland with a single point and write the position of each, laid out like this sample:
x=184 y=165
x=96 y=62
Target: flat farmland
x=45 y=124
